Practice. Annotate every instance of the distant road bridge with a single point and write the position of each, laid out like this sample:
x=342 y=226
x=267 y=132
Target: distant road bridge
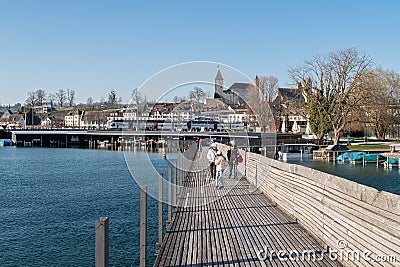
x=85 y=138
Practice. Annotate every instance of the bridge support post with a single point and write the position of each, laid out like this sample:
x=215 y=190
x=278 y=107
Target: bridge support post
x=169 y=218
x=160 y=213
x=102 y=242
x=143 y=225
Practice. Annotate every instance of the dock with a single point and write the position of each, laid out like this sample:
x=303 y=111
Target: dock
x=236 y=225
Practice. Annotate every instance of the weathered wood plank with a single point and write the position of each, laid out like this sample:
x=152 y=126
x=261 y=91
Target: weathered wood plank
x=225 y=227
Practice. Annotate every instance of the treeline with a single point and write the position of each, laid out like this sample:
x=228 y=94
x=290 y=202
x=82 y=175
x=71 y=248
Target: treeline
x=61 y=98
x=66 y=97
x=344 y=89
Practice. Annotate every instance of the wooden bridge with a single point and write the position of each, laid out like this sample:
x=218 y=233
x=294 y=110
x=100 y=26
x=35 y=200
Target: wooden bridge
x=233 y=226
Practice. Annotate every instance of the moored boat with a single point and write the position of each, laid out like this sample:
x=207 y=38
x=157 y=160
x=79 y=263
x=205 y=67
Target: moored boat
x=5 y=142
x=367 y=158
x=391 y=163
x=345 y=157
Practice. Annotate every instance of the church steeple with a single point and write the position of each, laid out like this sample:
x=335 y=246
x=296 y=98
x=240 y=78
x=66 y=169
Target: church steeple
x=218 y=85
x=256 y=81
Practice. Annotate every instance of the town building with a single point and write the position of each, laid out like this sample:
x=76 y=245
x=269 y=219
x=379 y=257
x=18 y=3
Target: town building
x=287 y=106
x=6 y=114
x=237 y=93
x=13 y=121
x=74 y=119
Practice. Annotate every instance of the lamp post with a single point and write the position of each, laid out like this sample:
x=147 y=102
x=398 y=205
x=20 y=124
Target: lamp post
x=32 y=110
x=98 y=116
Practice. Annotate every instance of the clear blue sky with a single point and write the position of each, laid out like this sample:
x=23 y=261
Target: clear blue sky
x=94 y=46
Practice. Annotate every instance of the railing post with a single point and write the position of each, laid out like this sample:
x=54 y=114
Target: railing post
x=169 y=217
x=160 y=212
x=184 y=161
x=102 y=242
x=178 y=173
x=143 y=225
x=256 y=175
x=175 y=185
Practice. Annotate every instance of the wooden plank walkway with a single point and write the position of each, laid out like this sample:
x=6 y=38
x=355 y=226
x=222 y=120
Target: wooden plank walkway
x=227 y=226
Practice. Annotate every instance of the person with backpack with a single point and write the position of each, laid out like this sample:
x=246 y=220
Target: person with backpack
x=211 y=155
x=233 y=155
x=220 y=167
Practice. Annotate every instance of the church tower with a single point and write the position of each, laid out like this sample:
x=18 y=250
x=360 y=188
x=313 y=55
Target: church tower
x=218 y=85
x=256 y=81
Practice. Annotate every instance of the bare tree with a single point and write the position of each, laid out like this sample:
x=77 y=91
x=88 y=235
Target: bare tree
x=61 y=97
x=31 y=100
x=89 y=101
x=381 y=113
x=71 y=97
x=337 y=81
x=197 y=94
x=112 y=97
x=52 y=99
x=136 y=98
x=40 y=96
x=178 y=99
x=260 y=107
x=268 y=86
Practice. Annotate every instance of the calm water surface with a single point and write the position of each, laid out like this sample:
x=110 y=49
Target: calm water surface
x=379 y=178
x=51 y=198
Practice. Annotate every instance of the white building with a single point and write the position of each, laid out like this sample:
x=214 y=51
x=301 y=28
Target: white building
x=238 y=117
x=74 y=120
x=46 y=122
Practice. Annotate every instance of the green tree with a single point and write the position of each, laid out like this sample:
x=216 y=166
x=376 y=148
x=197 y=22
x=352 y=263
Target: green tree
x=317 y=116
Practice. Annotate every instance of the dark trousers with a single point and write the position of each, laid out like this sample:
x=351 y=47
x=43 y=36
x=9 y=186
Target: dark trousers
x=213 y=170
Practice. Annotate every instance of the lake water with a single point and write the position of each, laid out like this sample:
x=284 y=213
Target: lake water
x=379 y=178
x=51 y=198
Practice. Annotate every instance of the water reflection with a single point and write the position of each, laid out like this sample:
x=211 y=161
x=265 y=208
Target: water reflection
x=370 y=175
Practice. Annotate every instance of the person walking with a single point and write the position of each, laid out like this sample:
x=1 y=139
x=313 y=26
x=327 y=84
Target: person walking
x=211 y=155
x=200 y=144
x=220 y=167
x=233 y=155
